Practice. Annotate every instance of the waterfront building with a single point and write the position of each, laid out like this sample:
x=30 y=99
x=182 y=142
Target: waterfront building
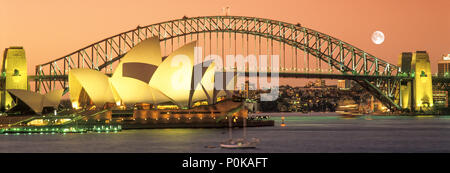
x=440 y=98
x=344 y=84
x=341 y=84
x=444 y=66
x=144 y=76
x=319 y=83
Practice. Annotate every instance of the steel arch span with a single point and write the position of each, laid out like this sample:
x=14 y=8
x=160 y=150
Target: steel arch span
x=324 y=50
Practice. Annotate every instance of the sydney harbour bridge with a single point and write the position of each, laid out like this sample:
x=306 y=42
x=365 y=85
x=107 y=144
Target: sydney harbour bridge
x=303 y=53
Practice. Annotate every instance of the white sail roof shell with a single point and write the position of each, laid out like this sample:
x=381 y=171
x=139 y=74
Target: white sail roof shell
x=147 y=51
x=174 y=75
x=205 y=90
x=95 y=83
x=38 y=101
x=135 y=91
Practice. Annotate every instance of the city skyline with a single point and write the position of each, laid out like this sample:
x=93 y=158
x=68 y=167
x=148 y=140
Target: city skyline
x=65 y=31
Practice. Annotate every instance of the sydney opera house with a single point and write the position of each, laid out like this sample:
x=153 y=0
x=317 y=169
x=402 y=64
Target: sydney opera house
x=144 y=77
x=144 y=82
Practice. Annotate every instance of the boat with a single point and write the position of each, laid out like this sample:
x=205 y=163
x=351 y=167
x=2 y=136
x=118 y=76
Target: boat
x=349 y=111
x=240 y=143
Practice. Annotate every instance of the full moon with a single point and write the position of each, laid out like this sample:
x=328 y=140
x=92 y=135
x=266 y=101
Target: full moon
x=377 y=37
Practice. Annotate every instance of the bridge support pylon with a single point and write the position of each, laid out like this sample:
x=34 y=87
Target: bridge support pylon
x=416 y=94
x=14 y=75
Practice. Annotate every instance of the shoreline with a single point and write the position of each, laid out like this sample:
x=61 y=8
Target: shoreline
x=287 y=114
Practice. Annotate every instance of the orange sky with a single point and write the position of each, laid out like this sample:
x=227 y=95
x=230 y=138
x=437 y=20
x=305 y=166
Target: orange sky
x=49 y=29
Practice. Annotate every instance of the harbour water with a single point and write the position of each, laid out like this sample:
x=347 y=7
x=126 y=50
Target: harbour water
x=315 y=132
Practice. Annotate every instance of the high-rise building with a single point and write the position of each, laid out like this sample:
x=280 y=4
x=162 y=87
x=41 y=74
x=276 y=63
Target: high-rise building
x=444 y=65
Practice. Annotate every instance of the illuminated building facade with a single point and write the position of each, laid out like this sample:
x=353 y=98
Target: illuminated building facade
x=144 y=77
x=341 y=84
x=441 y=97
x=444 y=66
x=344 y=84
x=418 y=93
x=14 y=75
x=320 y=83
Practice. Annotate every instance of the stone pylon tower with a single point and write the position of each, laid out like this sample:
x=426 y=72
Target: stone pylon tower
x=422 y=84
x=405 y=100
x=416 y=94
x=13 y=75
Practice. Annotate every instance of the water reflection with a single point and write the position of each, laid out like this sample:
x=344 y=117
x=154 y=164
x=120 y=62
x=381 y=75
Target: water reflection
x=311 y=133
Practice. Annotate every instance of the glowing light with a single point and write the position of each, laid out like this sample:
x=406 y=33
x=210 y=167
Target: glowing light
x=37 y=122
x=167 y=107
x=425 y=116
x=75 y=105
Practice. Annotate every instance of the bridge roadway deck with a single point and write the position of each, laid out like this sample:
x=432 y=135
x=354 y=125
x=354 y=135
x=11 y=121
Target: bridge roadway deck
x=280 y=74
x=436 y=79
